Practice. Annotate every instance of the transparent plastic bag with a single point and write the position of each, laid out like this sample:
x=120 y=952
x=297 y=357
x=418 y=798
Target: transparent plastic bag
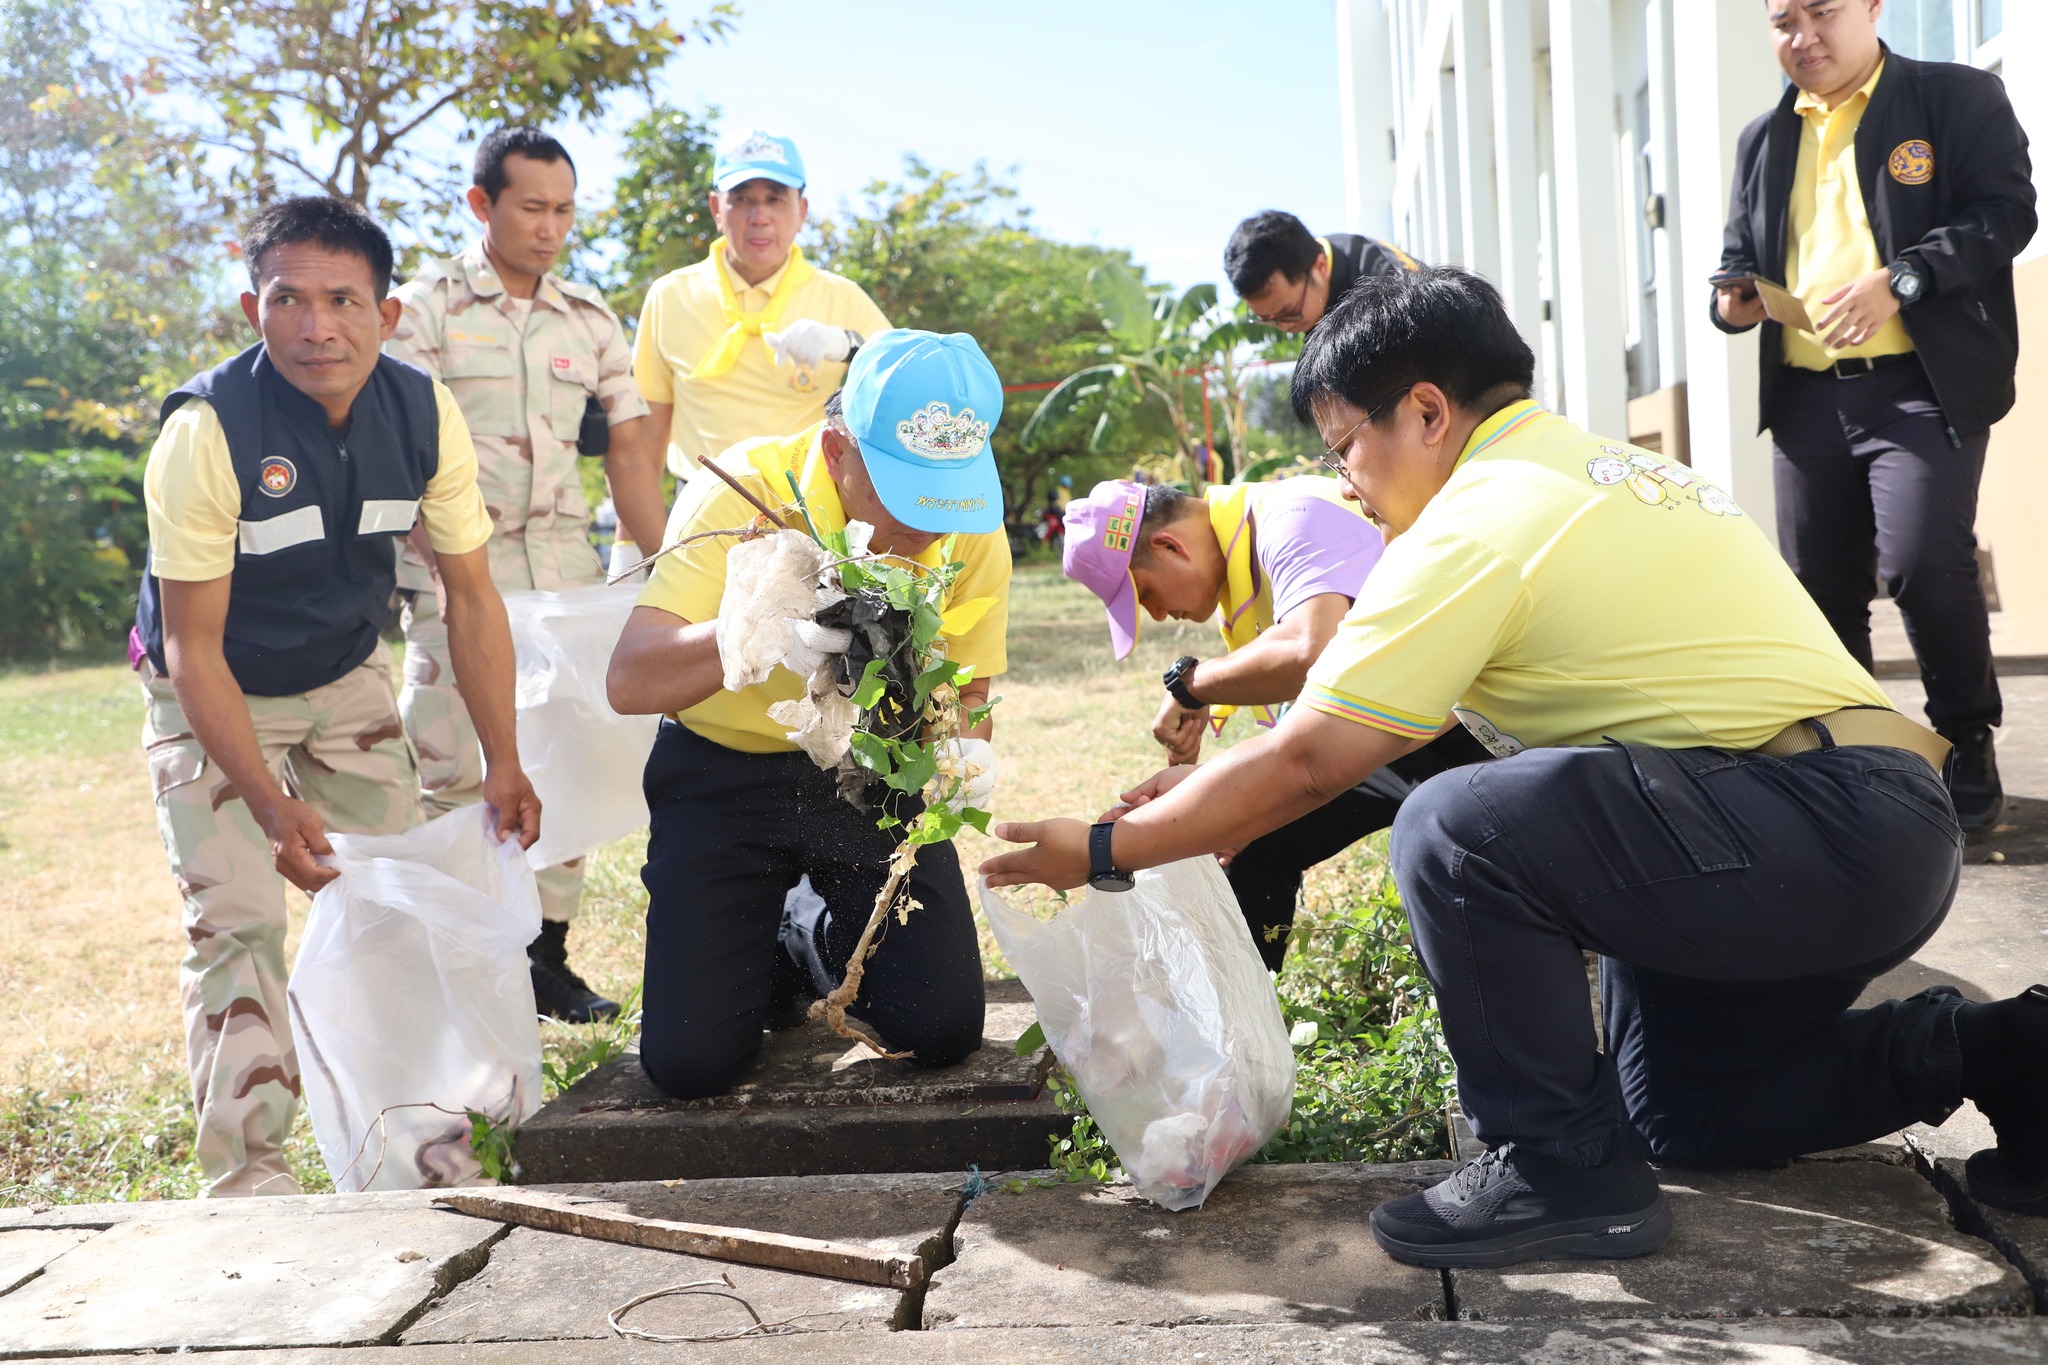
x=411 y=1002
x=585 y=759
x=1156 y=1002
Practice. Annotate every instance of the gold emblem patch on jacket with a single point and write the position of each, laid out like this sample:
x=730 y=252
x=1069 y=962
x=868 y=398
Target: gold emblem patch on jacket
x=1912 y=162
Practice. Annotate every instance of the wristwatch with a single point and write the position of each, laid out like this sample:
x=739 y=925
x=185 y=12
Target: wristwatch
x=1907 y=281
x=1103 y=874
x=1174 y=677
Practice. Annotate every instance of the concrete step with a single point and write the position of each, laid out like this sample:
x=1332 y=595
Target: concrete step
x=815 y=1105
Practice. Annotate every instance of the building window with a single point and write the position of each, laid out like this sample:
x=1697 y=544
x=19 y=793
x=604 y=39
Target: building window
x=1925 y=29
x=1990 y=19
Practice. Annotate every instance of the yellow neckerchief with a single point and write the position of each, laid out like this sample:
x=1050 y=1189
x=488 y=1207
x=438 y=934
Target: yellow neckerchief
x=1246 y=608
x=725 y=352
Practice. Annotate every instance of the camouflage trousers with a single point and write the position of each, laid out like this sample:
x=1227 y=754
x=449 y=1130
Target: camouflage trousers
x=342 y=749
x=451 y=759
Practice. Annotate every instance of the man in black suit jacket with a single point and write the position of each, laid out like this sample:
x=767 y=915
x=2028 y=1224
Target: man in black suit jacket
x=1891 y=196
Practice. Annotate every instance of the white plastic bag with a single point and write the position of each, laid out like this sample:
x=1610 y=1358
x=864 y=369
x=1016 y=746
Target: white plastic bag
x=411 y=989
x=1156 y=1002
x=585 y=759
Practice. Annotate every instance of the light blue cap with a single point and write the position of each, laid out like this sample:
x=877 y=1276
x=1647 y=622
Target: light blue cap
x=923 y=407
x=757 y=156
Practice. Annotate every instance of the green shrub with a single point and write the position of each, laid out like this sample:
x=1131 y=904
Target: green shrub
x=71 y=540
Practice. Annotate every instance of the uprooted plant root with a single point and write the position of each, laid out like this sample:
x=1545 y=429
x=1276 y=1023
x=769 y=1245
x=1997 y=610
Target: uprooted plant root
x=832 y=1009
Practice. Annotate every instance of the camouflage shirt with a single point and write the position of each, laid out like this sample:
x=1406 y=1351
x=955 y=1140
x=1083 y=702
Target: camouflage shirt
x=522 y=385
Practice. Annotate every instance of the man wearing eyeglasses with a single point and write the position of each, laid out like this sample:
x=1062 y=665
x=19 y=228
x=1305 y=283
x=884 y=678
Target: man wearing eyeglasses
x=1707 y=791
x=1289 y=277
x=1278 y=565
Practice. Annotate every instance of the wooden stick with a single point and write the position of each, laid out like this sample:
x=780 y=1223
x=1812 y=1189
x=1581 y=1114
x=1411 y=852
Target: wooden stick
x=763 y=508
x=553 y=1212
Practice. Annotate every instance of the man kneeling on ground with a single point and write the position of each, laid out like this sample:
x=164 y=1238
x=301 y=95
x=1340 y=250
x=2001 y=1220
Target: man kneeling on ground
x=737 y=813
x=1712 y=795
x=1278 y=564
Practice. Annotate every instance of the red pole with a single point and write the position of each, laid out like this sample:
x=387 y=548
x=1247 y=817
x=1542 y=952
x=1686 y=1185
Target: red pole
x=1208 y=431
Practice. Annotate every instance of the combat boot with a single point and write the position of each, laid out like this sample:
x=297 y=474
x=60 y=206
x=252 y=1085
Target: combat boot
x=1973 y=778
x=557 y=990
x=2005 y=1073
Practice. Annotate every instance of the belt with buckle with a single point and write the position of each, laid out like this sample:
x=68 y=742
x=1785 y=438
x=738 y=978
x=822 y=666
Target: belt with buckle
x=1854 y=366
x=1859 y=725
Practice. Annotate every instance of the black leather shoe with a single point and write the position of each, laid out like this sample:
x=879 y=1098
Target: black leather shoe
x=1515 y=1205
x=2005 y=1073
x=558 y=991
x=1973 y=779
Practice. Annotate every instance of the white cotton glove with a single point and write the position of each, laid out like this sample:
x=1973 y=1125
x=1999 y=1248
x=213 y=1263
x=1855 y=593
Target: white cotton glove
x=972 y=761
x=806 y=342
x=811 y=645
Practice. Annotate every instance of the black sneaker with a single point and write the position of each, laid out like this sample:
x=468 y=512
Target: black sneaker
x=558 y=991
x=2005 y=1073
x=1515 y=1205
x=1973 y=783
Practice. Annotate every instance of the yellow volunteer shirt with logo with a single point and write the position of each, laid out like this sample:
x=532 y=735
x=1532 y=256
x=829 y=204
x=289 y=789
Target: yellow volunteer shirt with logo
x=691 y=581
x=1565 y=590
x=1828 y=230
x=684 y=318
x=195 y=502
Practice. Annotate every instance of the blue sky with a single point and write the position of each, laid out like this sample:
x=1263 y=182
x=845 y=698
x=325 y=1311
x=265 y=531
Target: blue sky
x=1142 y=124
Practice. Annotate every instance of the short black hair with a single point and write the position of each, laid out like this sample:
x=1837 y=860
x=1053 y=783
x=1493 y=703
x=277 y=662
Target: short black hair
x=489 y=174
x=337 y=224
x=1164 y=505
x=1264 y=243
x=1390 y=332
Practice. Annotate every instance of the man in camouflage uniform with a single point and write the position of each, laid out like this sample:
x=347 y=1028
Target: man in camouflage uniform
x=276 y=491
x=534 y=361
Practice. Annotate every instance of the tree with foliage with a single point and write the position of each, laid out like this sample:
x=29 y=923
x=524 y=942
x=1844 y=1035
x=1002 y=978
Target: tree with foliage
x=951 y=252
x=660 y=215
x=345 y=96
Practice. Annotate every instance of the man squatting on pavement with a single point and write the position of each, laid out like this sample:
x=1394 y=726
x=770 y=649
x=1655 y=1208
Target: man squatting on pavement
x=737 y=813
x=1890 y=196
x=276 y=493
x=1278 y=564
x=542 y=372
x=751 y=340
x=1710 y=794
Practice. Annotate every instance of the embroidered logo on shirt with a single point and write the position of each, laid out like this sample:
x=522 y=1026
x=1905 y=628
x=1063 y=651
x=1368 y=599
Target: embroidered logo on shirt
x=1655 y=483
x=1912 y=162
x=561 y=362
x=1118 y=530
x=936 y=432
x=952 y=504
x=278 y=477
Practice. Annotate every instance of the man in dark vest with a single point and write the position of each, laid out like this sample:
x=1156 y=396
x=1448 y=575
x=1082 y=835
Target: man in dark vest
x=1890 y=197
x=277 y=492
x=1290 y=277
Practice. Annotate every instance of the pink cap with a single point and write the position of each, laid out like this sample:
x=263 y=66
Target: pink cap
x=1102 y=528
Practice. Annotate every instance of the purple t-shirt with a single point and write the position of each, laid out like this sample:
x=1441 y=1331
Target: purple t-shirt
x=1307 y=546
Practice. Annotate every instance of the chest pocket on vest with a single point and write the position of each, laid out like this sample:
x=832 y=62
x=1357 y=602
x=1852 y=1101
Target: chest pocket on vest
x=572 y=382
x=299 y=526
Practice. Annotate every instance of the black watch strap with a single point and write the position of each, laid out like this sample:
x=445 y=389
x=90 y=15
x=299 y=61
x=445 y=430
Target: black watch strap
x=854 y=341
x=1176 y=681
x=1103 y=873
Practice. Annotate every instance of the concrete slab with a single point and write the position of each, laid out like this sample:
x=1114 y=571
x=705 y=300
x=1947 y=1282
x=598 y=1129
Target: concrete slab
x=1939 y=1341
x=1833 y=1238
x=24 y=1253
x=2022 y=1238
x=201 y=1282
x=542 y=1285
x=1273 y=1244
x=815 y=1105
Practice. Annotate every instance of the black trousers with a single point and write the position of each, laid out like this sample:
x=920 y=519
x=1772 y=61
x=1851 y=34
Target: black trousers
x=729 y=834
x=1741 y=902
x=1870 y=486
x=1266 y=873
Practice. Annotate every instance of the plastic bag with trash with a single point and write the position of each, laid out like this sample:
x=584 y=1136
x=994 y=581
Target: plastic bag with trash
x=584 y=758
x=1156 y=1003
x=411 y=1002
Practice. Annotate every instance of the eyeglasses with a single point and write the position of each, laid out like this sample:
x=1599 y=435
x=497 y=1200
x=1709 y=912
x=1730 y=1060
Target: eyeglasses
x=1293 y=314
x=1333 y=456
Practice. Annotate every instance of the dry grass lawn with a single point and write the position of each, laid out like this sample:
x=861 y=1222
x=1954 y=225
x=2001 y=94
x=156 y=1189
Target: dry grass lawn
x=92 y=1091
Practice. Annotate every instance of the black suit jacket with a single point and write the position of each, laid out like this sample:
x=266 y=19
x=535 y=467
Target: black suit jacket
x=1960 y=205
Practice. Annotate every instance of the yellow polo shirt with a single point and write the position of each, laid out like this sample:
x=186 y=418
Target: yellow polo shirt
x=690 y=582
x=684 y=317
x=195 y=502
x=1829 y=232
x=1564 y=590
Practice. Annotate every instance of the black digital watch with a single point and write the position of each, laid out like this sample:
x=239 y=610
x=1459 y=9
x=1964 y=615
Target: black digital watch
x=1175 y=682
x=1104 y=875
